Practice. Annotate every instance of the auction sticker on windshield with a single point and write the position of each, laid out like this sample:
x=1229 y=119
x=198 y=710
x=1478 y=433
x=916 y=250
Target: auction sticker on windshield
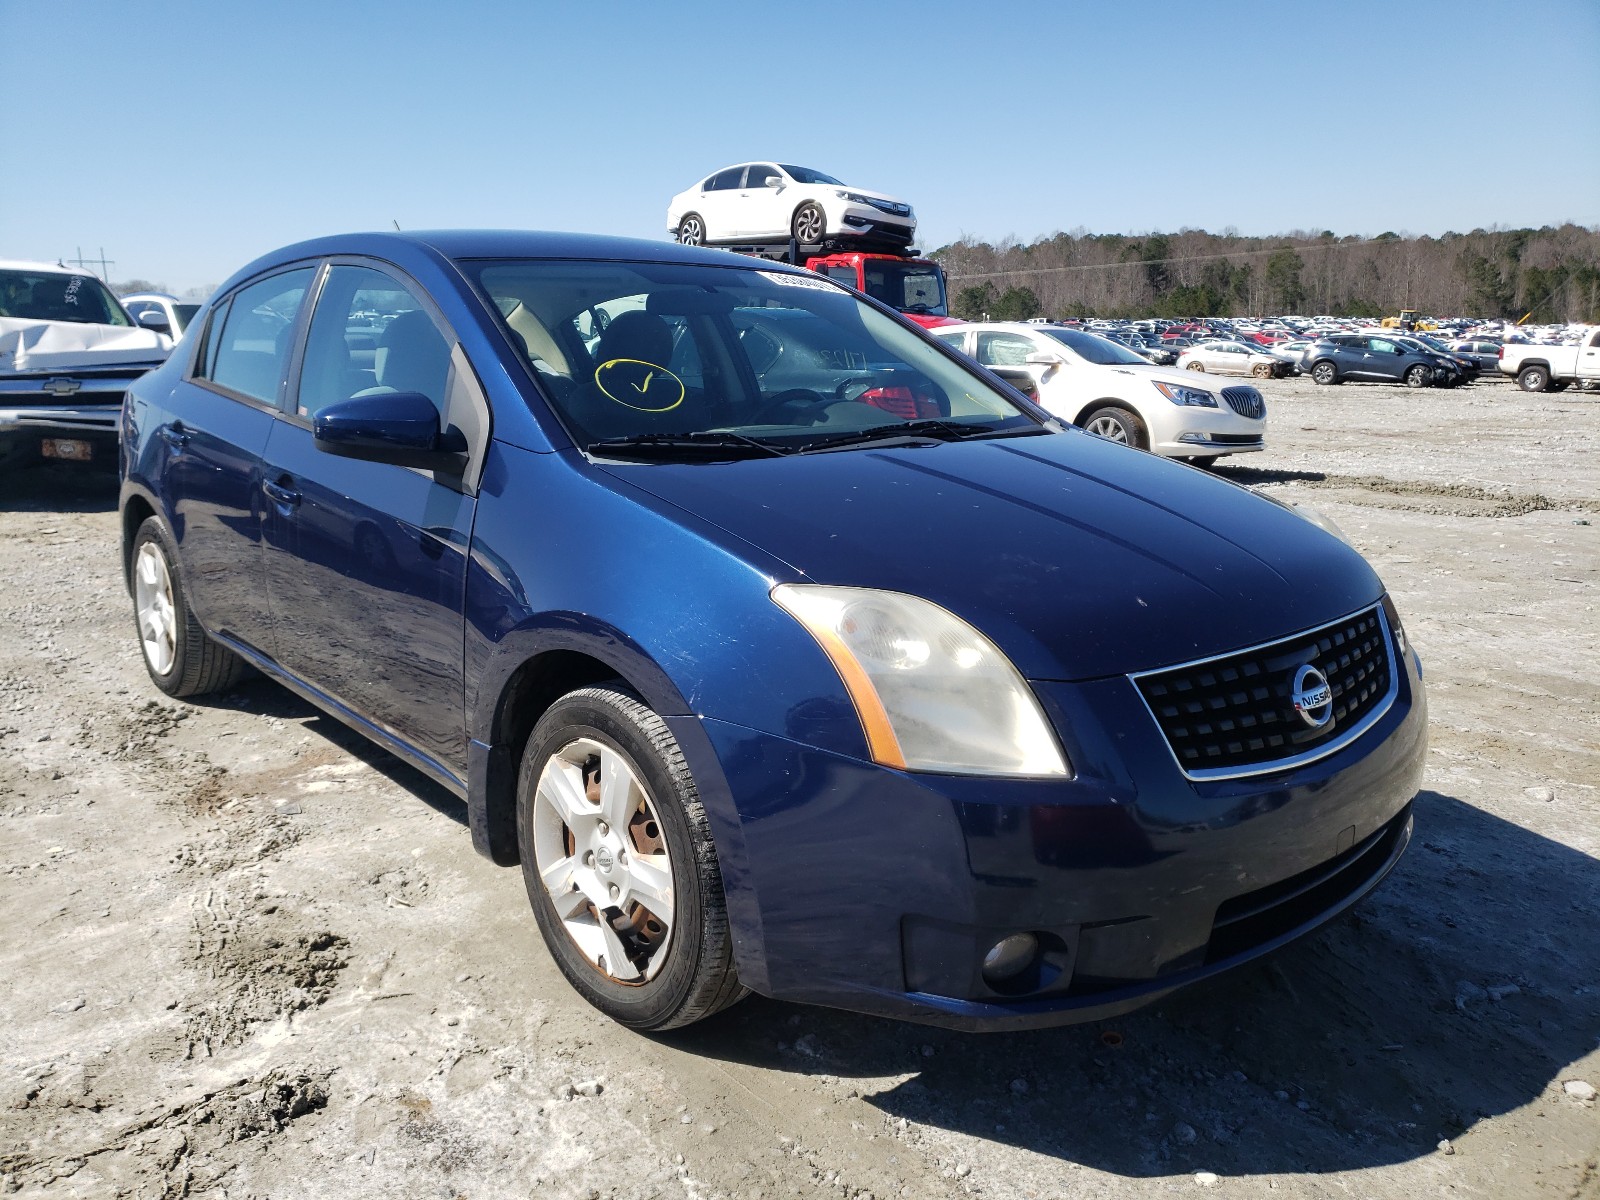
x=815 y=282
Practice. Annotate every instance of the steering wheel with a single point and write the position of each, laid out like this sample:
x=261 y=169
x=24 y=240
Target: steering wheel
x=789 y=400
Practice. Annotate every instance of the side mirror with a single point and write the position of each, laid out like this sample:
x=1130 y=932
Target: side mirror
x=773 y=181
x=395 y=427
x=154 y=318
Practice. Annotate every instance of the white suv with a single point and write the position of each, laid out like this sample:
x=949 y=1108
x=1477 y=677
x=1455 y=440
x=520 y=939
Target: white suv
x=1109 y=390
x=772 y=202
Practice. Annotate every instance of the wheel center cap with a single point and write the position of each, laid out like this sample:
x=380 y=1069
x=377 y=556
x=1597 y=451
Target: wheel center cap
x=603 y=858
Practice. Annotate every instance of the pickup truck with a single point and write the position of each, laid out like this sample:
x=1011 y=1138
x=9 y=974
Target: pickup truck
x=1553 y=368
x=68 y=351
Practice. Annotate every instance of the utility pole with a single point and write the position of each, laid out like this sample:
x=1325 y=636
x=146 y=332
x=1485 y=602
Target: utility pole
x=101 y=262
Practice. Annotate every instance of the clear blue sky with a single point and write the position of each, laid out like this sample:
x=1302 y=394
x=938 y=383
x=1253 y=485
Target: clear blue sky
x=186 y=137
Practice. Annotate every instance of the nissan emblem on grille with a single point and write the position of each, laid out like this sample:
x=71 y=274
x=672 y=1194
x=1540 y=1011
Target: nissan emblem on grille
x=1312 y=697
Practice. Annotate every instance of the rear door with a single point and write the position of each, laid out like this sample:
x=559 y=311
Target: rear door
x=719 y=204
x=366 y=561
x=212 y=436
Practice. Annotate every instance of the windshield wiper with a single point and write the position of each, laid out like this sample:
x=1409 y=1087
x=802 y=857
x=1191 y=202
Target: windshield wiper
x=697 y=443
x=930 y=428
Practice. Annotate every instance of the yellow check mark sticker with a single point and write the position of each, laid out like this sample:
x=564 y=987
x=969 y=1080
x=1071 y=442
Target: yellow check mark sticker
x=639 y=385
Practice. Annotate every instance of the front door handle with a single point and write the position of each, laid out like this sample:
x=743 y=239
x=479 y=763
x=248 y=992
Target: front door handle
x=175 y=435
x=280 y=494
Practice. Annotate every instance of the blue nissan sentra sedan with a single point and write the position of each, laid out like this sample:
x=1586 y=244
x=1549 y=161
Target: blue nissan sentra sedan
x=785 y=649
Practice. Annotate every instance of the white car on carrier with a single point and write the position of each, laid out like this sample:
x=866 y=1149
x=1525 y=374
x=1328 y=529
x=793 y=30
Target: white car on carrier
x=766 y=202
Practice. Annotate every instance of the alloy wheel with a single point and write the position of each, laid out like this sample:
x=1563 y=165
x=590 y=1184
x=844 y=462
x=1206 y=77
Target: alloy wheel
x=1108 y=428
x=602 y=855
x=809 y=224
x=153 y=603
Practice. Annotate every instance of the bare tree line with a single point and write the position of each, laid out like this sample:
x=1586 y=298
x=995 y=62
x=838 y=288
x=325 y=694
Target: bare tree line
x=1552 y=273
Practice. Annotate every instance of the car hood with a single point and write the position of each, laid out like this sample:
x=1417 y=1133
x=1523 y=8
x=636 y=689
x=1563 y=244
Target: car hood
x=1172 y=375
x=1079 y=558
x=27 y=346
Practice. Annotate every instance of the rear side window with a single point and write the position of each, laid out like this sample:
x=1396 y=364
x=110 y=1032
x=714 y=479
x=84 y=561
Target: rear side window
x=724 y=181
x=250 y=350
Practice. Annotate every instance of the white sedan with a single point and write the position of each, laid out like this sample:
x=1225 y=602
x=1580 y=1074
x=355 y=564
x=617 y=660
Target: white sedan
x=772 y=202
x=1232 y=358
x=1110 y=391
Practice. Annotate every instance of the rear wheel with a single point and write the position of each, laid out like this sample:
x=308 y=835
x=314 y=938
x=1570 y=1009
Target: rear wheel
x=810 y=224
x=1197 y=365
x=692 y=230
x=1325 y=373
x=1533 y=379
x=619 y=863
x=180 y=656
x=1118 y=425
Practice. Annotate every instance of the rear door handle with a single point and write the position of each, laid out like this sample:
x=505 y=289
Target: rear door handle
x=281 y=494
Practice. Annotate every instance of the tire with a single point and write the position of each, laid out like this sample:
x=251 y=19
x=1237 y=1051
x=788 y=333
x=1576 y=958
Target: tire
x=1418 y=376
x=1118 y=425
x=692 y=230
x=1263 y=370
x=1534 y=379
x=1196 y=365
x=1325 y=373
x=660 y=970
x=810 y=224
x=179 y=654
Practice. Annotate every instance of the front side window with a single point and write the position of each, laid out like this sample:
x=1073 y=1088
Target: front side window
x=756 y=174
x=1004 y=349
x=58 y=296
x=763 y=361
x=371 y=336
x=251 y=348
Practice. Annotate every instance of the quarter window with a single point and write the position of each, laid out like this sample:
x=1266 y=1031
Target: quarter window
x=252 y=347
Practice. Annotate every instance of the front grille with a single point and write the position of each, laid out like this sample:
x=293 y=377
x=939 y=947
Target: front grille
x=1233 y=715
x=1245 y=401
x=889 y=206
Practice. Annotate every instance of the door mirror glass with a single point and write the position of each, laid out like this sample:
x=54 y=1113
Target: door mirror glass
x=773 y=181
x=154 y=318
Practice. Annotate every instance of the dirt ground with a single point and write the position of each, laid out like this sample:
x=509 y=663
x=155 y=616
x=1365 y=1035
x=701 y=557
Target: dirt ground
x=245 y=954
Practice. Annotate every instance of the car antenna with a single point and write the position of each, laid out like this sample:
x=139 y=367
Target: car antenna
x=395 y=223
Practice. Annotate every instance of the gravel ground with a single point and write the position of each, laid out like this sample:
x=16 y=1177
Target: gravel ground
x=248 y=955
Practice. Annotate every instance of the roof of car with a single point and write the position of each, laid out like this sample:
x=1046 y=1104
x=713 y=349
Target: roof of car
x=17 y=264
x=521 y=243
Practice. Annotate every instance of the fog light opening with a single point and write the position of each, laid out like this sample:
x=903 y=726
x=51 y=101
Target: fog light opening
x=1009 y=958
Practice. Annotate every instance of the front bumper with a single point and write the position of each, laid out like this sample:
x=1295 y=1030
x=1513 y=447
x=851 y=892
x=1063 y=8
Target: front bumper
x=870 y=224
x=24 y=428
x=878 y=891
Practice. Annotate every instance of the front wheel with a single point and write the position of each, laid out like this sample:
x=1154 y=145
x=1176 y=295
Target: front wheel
x=1418 y=376
x=1262 y=370
x=1533 y=379
x=810 y=223
x=1325 y=373
x=179 y=654
x=692 y=230
x=619 y=863
x=1118 y=425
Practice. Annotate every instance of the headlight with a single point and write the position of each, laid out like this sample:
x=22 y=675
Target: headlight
x=853 y=197
x=932 y=693
x=1192 y=397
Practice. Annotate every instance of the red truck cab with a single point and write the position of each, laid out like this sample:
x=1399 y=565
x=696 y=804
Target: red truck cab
x=915 y=286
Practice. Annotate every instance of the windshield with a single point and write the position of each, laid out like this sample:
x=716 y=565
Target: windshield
x=807 y=175
x=910 y=287
x=58 y=296
x=768 y=361
x=1093 y=348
